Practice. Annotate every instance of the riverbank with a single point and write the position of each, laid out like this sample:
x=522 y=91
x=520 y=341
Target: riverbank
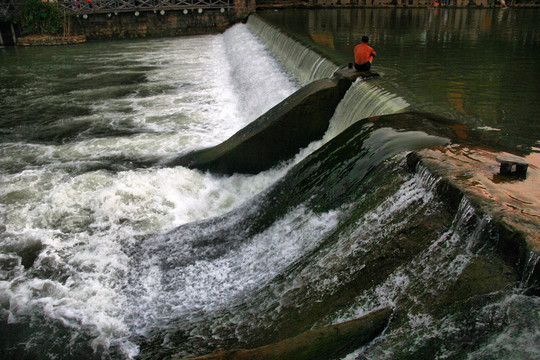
x=48 y=40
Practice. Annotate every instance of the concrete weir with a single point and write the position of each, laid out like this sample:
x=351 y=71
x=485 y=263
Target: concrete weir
x=469 y=170
x=280 y=133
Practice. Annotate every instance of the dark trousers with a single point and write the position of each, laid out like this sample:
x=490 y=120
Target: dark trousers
x=363 y=67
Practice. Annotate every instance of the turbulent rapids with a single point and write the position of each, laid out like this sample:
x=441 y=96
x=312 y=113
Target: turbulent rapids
x=108 y=252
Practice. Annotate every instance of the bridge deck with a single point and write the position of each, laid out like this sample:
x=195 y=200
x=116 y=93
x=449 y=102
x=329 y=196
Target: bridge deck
x=108 y=6
x=115 y=6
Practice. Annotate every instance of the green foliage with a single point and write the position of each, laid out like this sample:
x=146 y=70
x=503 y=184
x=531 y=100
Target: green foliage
x=39 y=17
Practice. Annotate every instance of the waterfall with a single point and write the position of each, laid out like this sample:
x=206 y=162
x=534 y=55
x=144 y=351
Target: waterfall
x=303 y=63
x=527 y=279
x=364 y=99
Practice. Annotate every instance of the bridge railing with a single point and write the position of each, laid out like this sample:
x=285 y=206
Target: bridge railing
x=110 y=6
x=115 y=6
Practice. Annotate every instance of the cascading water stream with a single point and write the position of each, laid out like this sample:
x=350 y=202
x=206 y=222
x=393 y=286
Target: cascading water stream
x=438 y=268
x=305 y=64
x=71 y=209
x=364 y=99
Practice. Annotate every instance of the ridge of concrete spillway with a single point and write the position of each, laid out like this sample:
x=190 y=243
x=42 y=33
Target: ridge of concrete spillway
x=278 y=134
x=329 y=342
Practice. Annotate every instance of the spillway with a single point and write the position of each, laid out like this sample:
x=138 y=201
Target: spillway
x=107 y=253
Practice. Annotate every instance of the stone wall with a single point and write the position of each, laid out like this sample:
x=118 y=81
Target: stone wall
x=44 y=40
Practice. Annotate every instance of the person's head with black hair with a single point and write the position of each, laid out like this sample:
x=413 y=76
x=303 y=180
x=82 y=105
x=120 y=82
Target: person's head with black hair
x=365 y=39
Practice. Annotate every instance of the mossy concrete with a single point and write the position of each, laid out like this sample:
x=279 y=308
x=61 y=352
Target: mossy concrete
x=320 y=344
x=367 y=156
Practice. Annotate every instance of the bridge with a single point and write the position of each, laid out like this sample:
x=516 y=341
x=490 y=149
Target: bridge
x=116 y=6
x=81 y=7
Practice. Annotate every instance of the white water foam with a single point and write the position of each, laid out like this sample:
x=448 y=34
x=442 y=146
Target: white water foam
x=434 y=269
x=425 y=267
x=82 y=223
x=212 y=91
x=518 y=341
x=211 y=284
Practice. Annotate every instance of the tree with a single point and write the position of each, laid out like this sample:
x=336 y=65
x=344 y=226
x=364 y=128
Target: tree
x=39 y=17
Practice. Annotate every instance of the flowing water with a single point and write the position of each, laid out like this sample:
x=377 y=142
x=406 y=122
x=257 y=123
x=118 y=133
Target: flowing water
x=79 y=124
x=480 y=66
x=107 y=253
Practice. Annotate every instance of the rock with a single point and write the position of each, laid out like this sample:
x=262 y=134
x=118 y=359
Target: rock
x=324 y=343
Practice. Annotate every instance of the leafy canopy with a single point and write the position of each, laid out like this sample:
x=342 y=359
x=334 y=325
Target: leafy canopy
x=40 y=17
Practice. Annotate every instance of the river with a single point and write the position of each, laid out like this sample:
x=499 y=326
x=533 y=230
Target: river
x=106 y=252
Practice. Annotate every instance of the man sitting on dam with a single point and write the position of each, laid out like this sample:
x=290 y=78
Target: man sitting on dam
x=363 y=55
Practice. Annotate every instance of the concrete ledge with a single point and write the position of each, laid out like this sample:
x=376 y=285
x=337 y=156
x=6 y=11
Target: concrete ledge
x=352 y=74
x=281 y=132
x=512 y=203
x=45 y=40
x=472 y=171
x=275 y=136
x=320 y=344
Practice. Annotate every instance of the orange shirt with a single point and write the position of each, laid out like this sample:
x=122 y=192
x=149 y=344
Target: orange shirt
x=363 y=53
